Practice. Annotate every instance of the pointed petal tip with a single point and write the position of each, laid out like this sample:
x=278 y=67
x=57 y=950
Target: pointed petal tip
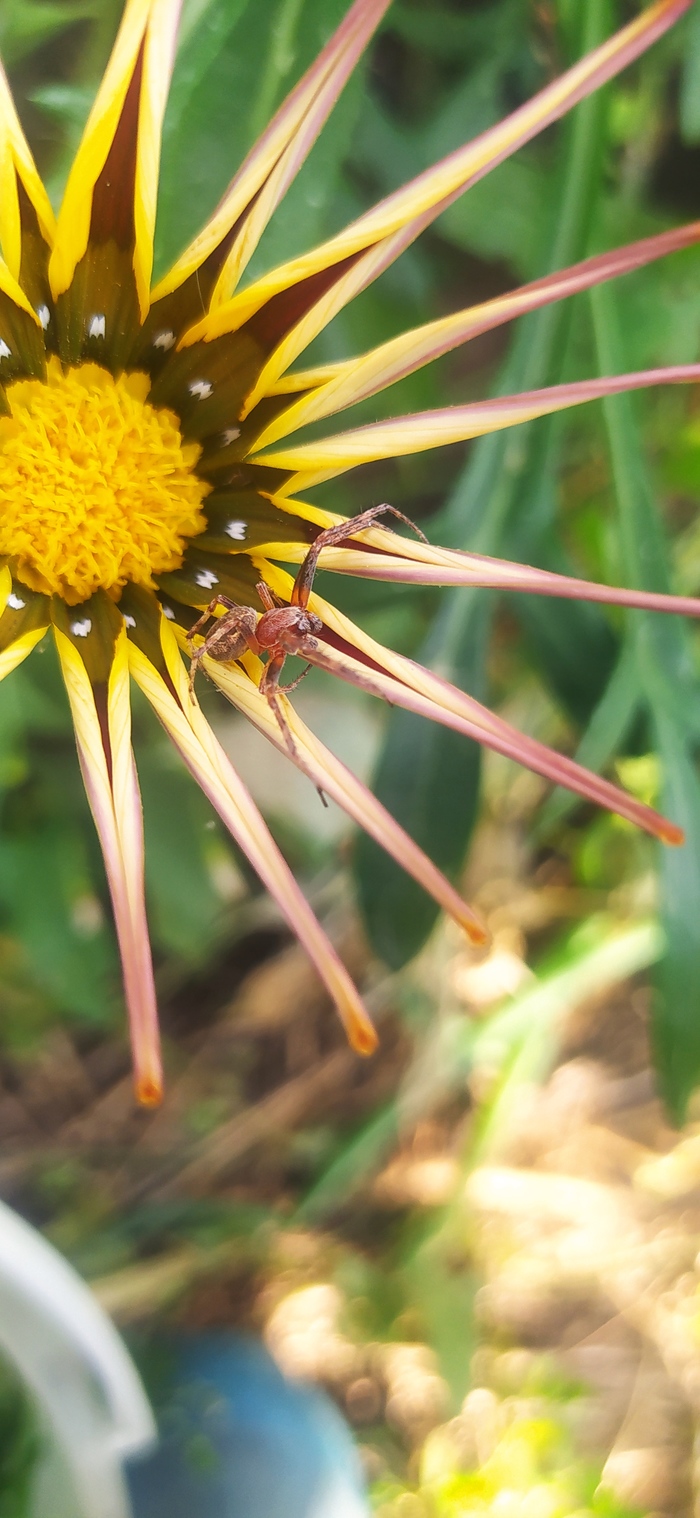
x=362 y=1035
x=149 y=1090
x=672 y=835
x=477 y=934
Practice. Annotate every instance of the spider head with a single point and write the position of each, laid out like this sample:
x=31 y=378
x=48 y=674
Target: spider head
x=309 y=623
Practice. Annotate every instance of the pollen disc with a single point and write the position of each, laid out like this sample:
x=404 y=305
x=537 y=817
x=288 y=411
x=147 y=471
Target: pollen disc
x=97 y=487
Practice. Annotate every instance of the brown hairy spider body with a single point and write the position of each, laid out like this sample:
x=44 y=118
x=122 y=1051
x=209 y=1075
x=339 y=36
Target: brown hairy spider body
x=281 y=630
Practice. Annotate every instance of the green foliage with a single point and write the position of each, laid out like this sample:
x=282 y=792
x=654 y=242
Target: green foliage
x=669 y=687
x=19 y=1447
x=532 y=1469
x=26 y=25
x=501 y=504
x=220 y=101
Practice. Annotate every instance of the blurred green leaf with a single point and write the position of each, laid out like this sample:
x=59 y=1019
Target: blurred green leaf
x=232 y=69
x=428 y=778
x=669 y=682
x=29 y=24
x=570 y=642
x=348 y=1171
x=571 y=645
x=68 y=103
x=447 y=33
x=502 y=215
x=676 y=1019
x=204 y=134
x=609 y=725
x=495 y=51
x=47 y=891
x=185 y=910
x=20 y=1446
x=690 y=80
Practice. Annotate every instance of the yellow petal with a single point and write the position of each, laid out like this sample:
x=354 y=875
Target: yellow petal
x=112 y=791
x=343 y=289
x=412 y=208
x=329 y=775
x=308 y=379
x=146 y=38
x=17 y=168
x=184 y=721
x=343 y=385
x=10 y=287
x=403 y=561
x=402 y=682
x=5 y=587
x=327 y=457
x=18 y=651
x=15 y=652
x=275 y=159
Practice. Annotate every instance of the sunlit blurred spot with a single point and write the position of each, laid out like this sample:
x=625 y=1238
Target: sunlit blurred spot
x=503 y=973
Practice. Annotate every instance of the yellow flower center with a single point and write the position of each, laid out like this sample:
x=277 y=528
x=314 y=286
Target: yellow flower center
x=97 y=487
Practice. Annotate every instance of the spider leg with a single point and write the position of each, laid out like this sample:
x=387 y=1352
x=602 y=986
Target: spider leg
x=337 y=534
x=230 y=636
x=195 y=656
x=270 y=601
x=211 y=608
x=269 y=687
x=294 y=683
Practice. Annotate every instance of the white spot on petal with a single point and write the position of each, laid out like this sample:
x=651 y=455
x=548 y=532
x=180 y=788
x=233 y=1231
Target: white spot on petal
x=44 y=316
x=129 y=621
x=81 y=629
x=237 y=530
x=164 y=340
x=230 y=435
x=97 y=326
x=206 y=578
x=169 y=613
x=15 y=601
x=200 y=388
x=5 y=352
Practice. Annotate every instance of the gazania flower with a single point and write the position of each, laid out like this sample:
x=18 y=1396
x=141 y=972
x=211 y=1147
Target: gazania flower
x=149 y=462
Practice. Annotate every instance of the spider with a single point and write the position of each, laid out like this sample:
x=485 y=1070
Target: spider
x=281 y=630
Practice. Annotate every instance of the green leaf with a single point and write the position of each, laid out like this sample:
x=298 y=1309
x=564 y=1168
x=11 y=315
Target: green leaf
x=185 y=910
x=29 y=24
x=676 y=1013
x=236 y=63
x=423 y=767
x=571 y=642
x=670 y=687
x=430 y=780
x=349 y=1170
x=502 y=215
x=609 y=725
x=69 y=104
x=690 y=80
x=572 y=646
x=21 y=1440
x=204 y=133
x=49 y=896
x=446 y=33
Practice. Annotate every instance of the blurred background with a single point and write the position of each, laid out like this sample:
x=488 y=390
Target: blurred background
x=482 y=1242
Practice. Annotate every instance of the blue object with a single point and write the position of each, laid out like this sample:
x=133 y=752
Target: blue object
x=240 y=1441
